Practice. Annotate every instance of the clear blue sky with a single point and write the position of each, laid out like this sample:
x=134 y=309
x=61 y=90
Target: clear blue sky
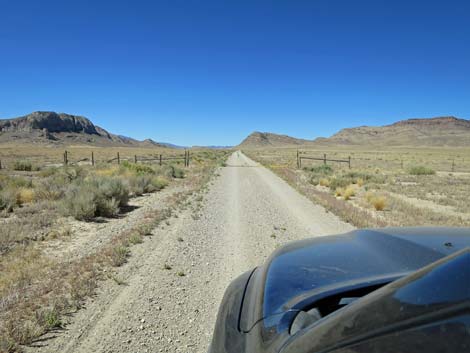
x=210 y=72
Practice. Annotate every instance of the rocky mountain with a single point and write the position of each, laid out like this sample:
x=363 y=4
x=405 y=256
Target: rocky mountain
x=60 y=128
x=267 y=139
x=439 y=131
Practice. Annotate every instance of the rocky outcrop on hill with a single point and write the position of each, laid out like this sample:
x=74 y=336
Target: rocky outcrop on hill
x=60 y=128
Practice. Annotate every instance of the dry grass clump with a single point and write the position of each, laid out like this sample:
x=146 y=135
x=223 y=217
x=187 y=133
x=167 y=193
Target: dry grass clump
x=349 y=192
x=24 y=228
x=346 y=193
x=24 y=195
x=339 y=192
x=324 y=182
x=379 y=202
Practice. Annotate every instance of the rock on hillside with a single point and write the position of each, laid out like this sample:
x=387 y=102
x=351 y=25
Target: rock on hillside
x=61 y=128
x=267 y=139
x=439 y=131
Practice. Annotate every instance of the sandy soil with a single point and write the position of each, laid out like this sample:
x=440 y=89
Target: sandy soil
x=246 y=213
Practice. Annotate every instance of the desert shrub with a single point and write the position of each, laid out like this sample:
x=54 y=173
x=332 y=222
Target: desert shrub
x=7 y=200
x=24 y=166
x=79 y=203
x=49 y=189
x=109 y=188
x=139 y=184
x=136 y=238
x=15 y=182
x=142 y=184
x=421 y=170
x=48 y=172
x=361 y=177
x=159 y=183
x=139 y=169
x=323 y=169
x=49 y=318
x=175 y=172
x=73 y=173
x=119 y=255
x=314 y=180
x=106 y=207
x=99 y=196
x=339 y=182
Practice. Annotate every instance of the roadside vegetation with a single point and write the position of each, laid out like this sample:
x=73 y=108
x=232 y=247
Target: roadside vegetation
x=383 y=188
x=37 y=290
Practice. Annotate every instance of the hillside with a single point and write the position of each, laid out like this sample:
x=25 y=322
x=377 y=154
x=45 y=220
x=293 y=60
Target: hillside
x=439 y=131
x=59 y=128
x=266 y=139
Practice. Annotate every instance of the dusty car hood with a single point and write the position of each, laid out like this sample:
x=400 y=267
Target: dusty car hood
x=306 y=269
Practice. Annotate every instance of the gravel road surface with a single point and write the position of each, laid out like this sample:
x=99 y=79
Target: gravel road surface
x=168 y=293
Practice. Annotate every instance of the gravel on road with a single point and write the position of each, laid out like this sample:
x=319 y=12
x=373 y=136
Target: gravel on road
x=167 y=295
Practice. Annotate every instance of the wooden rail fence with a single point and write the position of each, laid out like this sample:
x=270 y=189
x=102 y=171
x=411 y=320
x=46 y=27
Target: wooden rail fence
x=160 y=159
x=324 y=159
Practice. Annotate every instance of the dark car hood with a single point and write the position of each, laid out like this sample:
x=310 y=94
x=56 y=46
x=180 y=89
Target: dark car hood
x=305 y=269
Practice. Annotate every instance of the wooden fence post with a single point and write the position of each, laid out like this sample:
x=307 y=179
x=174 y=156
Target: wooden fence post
x=66 y=160
x=92 y=158
x=188 y=158
x=349 y=162
x=324 y=158
x=160 y=159
x=298 y=164
x=135 y=159
x=118 y=158
x=453 y=165
x=0 y=164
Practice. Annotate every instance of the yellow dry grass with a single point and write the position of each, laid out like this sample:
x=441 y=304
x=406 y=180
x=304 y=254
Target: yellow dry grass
x=24 y=196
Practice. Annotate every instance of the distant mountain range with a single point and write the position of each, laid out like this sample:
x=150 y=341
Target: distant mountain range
x=60 y=128
x=267 y=139
x=439 y=131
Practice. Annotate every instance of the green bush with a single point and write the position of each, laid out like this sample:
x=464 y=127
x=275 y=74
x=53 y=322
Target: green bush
x=159 y=183
x=100 y=196
x=109 y=187
x=421 y=170
x=323 y=169
x=366 y=177
x=79 y=203
x=24 y=166
x=139 y=169
x=8 y=200
x=176 y=172
x=119 y=255
x=339 y=182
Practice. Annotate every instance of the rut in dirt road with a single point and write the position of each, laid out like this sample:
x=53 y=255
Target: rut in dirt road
x=174 y=282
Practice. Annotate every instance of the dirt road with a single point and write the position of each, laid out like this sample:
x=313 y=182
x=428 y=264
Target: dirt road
x=169 y=292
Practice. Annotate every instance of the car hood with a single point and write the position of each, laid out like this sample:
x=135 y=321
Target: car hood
x=319 y=266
